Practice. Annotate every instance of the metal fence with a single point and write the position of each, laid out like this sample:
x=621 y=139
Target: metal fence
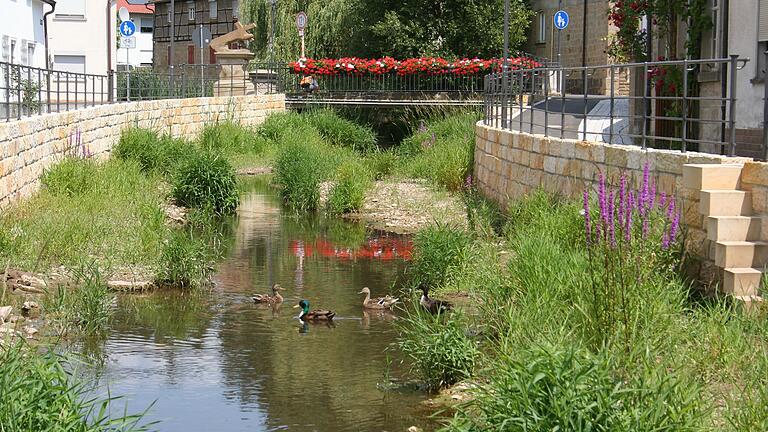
x=27 y=91
x=687 y=105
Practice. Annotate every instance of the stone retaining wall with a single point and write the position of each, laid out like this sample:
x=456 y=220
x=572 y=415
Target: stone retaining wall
x=510 y=165
x=30 y=145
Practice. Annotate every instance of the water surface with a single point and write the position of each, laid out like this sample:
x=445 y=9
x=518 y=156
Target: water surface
x=218 y=362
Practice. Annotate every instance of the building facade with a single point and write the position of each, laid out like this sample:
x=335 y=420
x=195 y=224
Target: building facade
x=143 y=15
x=82 y=36
x=22 y=31
x=217 y=16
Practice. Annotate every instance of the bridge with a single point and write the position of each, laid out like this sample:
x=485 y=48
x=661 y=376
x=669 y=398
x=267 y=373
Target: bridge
x=383 y=90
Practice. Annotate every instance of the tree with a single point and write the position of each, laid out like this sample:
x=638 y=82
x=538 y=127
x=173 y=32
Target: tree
x=397 y=28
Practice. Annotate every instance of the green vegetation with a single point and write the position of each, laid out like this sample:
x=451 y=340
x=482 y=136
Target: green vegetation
x=39 y=395
x=559 y=347
x=348 y=194
x=376 y=28
x=206 y=180
x=442 y=151
x=439 y=350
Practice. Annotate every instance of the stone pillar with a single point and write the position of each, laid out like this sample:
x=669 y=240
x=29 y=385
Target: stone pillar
x=233 y=77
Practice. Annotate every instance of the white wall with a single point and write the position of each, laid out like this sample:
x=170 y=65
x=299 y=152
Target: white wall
x=142 y=54
x=742 y=40
x=21 y=20
x=83 y=32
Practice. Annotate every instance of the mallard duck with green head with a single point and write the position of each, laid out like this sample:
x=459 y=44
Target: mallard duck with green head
x=275 y=298
x=315 y=315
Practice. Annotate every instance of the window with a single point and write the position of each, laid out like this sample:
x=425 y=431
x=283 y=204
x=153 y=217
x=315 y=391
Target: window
x=31 y=53
x=170 y=17
x=542 y=36
x=191 y=10
x=762 y=39
x=169 y=55
x=146 y=25
x=70 y=8
x=712 y=41
x=716 y=29
x=190 y=54
x=213 y=9
x=211 y=55
x=13 y=50
x=69 y=63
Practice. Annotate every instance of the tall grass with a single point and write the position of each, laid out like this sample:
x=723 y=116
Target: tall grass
x=206 y=180
x=348 y=193
x=40 y=394
x=228 y=137
x=438 y=348
x=441 y=151
x=439 y=252
x=341 y=132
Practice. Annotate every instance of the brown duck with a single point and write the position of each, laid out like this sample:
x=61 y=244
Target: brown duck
x=377 y=302
x=275 y=298
x=433 y=306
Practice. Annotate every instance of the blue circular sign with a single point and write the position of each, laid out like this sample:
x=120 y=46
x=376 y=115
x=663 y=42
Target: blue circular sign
x=127 y=28
x=561 y=20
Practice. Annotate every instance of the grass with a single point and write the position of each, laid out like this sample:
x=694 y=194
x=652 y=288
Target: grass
x=348 y=193
x=206 y=180
x=661 y=361
x=40 y=394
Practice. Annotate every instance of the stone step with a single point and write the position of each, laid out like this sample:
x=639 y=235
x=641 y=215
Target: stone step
x=712 y=176
x=725 y=203
x=734 y=228
x=741 y=254
x=742 y=281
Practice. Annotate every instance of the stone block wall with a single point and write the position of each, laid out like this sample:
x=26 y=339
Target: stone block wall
x=509 y=165
x=29 y=146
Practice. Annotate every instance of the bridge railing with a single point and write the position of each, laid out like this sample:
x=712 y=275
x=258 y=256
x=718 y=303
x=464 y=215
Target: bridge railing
x=362 y=85
x=685 y=105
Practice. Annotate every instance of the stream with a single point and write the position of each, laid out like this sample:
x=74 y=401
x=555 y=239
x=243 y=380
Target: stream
x=215 y=361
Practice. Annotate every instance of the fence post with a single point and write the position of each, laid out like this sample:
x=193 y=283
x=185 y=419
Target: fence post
x=7 y=92
x=586 y=91
x=128 y=84
x=645 y=104
x=684 y=137
x=613 y=97
x=732 y=112
x=111 y=85
x=765 y=112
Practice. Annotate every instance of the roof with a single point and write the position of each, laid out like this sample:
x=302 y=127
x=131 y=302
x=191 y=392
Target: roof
x=134 y=7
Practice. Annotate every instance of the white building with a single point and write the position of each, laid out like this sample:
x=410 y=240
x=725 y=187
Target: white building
x=82 y=36
x=143 y=16
x=22 y=31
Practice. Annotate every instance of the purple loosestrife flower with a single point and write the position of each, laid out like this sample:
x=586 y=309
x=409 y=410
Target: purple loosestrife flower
x=602 y=198
x=628 y=217
x=671 y=208
x=665 y=241
x=644 y=188
x=468 y=182
x=587 y=220
x=662 y=201
x=652 y=203
x=611 y=219
x=674 y=227
x=622 y=199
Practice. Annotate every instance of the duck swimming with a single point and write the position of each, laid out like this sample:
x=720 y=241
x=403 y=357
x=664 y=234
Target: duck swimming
x=315 y=315
x=433 y=306
x=275 y=298
x=378 y=302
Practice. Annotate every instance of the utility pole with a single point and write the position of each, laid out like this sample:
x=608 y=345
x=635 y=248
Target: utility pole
x=505 y=68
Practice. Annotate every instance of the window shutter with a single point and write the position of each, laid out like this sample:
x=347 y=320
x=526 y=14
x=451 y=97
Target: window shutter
x=762 y=29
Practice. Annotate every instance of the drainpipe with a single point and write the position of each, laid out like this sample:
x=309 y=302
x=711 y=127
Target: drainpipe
x=52 y=4
x=110 y=20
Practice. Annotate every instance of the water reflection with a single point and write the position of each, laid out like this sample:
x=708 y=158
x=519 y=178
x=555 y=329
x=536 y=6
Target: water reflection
x=216 y=361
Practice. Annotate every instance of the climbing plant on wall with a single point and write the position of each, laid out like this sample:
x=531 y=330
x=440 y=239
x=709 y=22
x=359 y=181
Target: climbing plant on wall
x=631 y=41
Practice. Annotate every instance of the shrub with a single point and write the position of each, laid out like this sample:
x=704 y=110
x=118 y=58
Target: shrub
x=299 y=169
x=442 y=152
x=438 y=348
x=348 y=194
x=381 y=163
x=206 y=180
x=546 y=389
x=341 y=132
x=438 y=251
x=185 y=260
x=230 y=137
x=40 y=394
x=140 y=145
x=279 y=124
x=70 y=177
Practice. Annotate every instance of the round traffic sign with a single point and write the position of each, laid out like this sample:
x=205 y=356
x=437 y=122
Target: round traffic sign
x=201 y=37
x=124 y=14
x=301 y=20
x=561 y=20
x=127 y=28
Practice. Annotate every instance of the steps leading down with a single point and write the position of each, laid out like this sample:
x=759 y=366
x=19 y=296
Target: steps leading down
x=735 y=234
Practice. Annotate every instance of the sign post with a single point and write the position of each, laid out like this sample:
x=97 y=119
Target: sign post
x=202 y=37
x=301 y=24
x=127 y=30
x=561 y=21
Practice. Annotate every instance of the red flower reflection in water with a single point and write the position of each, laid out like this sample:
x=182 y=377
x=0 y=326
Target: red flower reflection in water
x=381 y=248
